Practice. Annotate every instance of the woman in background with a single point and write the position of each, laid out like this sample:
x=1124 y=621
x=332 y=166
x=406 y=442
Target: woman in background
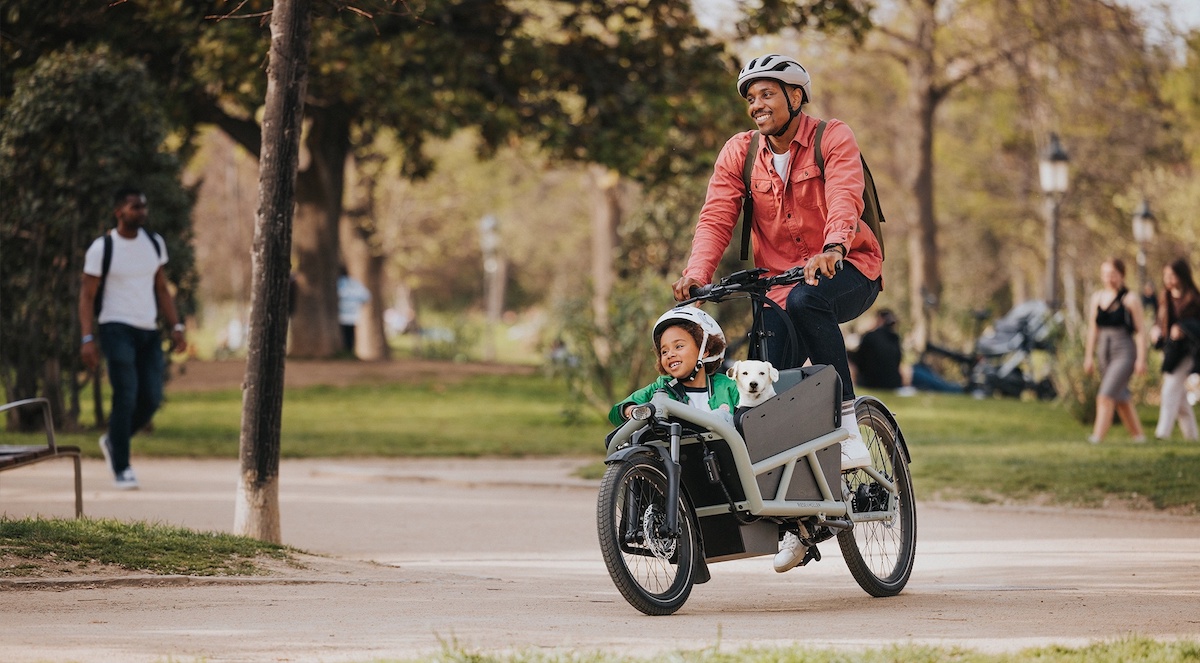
x=1177 y=332
x=1115 y=341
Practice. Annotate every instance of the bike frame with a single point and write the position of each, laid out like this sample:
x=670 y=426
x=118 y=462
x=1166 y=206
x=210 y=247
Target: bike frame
x=755 y=503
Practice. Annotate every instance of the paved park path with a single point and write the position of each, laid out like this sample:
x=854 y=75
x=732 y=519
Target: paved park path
x=501 y=554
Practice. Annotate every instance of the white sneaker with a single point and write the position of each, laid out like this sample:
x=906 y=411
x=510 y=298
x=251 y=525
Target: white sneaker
x=791 y=551
x=126 y=480
x=106 y=449
x=854 y=452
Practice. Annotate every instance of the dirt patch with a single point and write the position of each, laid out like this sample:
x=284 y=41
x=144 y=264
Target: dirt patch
x=196 y=376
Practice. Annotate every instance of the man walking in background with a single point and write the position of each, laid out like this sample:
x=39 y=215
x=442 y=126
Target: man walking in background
x=352 y=296
x=125 y=287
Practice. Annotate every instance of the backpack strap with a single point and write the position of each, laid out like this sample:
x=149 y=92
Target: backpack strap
x=154 y=238
x=748 y=200
x=817 y=148
x=157 y=248
x=105 y=265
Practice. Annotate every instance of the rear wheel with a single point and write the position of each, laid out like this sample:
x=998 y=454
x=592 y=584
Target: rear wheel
x=880 y=549
x=652 y=569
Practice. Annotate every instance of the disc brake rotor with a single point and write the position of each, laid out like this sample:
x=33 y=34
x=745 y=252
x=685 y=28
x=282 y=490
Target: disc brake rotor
x=662 y=547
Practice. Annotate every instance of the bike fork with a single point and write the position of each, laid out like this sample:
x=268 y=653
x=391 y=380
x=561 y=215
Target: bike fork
x=672 y=465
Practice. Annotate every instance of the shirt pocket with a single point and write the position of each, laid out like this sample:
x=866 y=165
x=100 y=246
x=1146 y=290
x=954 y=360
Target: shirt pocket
x=808 y=187
x=763 y=191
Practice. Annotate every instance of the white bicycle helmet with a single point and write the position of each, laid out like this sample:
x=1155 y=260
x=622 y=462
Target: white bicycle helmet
x=779 y=67
x=692 y=314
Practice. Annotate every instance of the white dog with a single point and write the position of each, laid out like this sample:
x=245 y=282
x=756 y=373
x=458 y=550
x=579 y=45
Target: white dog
x=755 y=381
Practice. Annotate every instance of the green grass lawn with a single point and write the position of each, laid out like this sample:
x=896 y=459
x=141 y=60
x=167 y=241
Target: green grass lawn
x=34 y=543
x=1123 y=650
x=962 y=448
x=984 y=450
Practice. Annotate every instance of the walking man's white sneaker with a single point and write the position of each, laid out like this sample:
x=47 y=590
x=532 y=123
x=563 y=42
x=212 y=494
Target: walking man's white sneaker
x=126 y=480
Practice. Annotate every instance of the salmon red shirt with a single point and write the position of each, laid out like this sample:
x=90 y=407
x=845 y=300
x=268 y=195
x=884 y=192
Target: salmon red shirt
x=792 y=221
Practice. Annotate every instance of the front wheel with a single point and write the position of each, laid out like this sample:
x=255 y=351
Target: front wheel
x=880 y=549
x=652 y=569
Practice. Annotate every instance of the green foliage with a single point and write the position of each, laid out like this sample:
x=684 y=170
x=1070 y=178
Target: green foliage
x=774 y=16
x=610 y=362
x=1077 y=389
x=137 y=546
x=80 y=125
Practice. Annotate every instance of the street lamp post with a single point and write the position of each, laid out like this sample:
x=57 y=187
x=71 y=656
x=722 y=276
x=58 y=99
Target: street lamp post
x=493 y=282
x=1143 y=234
x=1052 y=169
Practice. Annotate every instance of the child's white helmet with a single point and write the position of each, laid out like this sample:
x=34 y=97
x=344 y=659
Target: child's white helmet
x=692 y=314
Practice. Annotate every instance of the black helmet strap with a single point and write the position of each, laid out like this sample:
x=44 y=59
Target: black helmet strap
x=792 y=112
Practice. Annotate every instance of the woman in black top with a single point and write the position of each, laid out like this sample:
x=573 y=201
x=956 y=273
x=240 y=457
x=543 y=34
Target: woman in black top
x=1115 y=336
x=1177 y=331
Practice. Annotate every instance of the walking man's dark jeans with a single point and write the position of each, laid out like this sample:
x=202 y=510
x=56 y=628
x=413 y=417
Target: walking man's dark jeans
x=135 y=368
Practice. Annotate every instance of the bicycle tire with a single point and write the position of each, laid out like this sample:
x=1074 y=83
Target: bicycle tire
x=880 y=553
x=654 y=573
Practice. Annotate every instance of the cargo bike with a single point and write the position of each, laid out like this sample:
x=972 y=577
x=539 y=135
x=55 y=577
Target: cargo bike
x=685 y=488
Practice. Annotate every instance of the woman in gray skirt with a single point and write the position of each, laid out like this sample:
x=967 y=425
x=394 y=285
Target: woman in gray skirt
x=1117 y=344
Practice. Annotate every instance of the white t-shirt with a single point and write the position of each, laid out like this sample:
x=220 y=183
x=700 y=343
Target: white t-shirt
x=129 y=290
x=781 y=164
x=698 y=398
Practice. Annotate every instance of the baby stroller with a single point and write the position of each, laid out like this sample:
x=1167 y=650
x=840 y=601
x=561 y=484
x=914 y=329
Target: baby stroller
x=1002 y=359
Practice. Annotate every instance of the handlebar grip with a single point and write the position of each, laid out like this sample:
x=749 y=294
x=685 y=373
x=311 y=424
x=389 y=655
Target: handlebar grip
x=700 y=290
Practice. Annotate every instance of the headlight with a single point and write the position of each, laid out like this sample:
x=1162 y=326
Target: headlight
x=642 y=412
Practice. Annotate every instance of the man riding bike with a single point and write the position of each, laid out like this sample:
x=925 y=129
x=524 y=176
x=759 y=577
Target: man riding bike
x=800 y=219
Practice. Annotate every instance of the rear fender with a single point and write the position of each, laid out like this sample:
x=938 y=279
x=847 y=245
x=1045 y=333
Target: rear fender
x=891 y=420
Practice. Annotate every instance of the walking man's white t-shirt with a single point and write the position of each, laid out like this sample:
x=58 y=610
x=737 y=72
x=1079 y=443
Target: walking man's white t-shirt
x=129 y=290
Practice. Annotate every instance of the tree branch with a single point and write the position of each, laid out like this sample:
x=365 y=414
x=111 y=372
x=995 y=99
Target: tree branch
x=246 y=133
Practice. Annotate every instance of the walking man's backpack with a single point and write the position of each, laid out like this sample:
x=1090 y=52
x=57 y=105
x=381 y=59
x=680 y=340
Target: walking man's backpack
x=872 y=213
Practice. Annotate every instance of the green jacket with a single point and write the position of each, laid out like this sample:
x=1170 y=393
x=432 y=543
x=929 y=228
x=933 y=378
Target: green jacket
x=724 y=392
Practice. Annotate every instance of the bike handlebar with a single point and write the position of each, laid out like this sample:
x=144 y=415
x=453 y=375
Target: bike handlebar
x=748 y=281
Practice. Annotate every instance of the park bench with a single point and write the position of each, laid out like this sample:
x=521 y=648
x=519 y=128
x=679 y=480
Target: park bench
x=13 y=456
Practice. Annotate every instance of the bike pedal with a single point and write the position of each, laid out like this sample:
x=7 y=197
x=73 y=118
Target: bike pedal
x=810 y=555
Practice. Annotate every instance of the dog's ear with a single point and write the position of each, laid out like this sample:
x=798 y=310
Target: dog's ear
x=732 y=372
x=774 y=374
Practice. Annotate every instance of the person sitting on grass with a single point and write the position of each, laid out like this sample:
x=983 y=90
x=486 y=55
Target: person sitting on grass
x=690 y=346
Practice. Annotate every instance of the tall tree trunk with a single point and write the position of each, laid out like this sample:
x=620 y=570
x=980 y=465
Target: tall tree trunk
x=374 y=343
x=606 y=216
x=315 y=331
x=256 y=509
x=925 y=282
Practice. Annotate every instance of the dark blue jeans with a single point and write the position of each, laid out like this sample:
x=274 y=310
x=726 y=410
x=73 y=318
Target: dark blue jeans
x=135 y=369
x=815 y=312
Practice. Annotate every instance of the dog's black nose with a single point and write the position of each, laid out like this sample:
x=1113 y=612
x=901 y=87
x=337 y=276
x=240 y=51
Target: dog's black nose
x=753 y=386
